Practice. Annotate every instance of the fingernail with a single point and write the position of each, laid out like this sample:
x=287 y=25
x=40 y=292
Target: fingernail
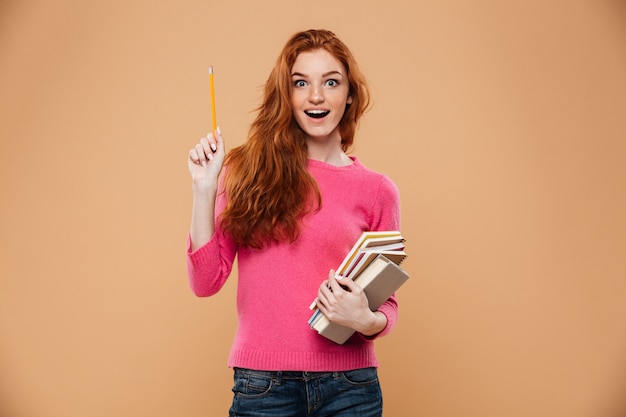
x=219 y=130
x=213 y=147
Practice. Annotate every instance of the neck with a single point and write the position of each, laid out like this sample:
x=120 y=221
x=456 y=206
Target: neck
x=332 y=155
x=327 y=150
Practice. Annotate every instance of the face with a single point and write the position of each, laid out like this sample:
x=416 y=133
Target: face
x=319 y=94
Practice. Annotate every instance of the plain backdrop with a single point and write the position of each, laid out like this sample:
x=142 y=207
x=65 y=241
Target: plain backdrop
x=502 y=123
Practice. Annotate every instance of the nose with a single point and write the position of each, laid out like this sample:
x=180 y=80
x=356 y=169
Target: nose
x=316 y=95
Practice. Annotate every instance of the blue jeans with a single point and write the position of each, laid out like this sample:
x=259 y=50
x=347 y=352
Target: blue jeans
x=307 y=394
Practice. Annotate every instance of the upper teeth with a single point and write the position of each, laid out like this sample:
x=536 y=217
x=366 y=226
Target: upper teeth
x=316 y=111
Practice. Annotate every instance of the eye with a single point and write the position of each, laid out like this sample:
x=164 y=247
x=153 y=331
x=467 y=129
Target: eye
x=332 y=83
x=299 y=83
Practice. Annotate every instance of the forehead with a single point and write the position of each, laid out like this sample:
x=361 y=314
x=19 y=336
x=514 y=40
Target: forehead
x=315 y=62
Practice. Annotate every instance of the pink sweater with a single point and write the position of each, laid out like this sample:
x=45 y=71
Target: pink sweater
x=276 y=285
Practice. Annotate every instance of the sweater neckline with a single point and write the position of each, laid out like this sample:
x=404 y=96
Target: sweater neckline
x=315 y=163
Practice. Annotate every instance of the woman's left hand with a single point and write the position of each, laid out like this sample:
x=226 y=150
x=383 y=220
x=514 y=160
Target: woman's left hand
x=344 y=302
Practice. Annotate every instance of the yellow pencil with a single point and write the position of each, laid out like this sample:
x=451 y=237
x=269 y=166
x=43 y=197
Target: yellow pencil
x=213 y=117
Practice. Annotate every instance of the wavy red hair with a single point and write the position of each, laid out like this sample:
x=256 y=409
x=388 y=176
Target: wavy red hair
x=268 y=187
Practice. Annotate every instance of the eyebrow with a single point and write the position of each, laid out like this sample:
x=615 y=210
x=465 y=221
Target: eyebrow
x=298 y=74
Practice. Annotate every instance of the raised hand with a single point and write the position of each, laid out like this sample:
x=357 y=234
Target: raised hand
x=205 y=161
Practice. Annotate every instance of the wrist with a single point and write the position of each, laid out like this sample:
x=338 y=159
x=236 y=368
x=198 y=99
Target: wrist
x=201 y=189
x=375 y=324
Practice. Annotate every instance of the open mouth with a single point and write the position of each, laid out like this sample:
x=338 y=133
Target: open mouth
x=316 y=114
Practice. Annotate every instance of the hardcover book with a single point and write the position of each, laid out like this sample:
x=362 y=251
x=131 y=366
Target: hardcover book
x=374 y=264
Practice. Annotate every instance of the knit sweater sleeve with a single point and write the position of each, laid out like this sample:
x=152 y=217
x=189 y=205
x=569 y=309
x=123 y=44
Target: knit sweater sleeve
x=386 y=216
x=209 y=266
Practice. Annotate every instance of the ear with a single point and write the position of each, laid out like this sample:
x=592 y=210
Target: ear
x=349 y=101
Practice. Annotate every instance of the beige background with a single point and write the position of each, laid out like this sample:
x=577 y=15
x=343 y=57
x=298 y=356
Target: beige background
x=501 y=122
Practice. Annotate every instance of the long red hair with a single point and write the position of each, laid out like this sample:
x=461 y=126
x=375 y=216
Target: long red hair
x=267 y=185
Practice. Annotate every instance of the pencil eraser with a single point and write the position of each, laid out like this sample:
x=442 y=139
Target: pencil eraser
x=211 y=70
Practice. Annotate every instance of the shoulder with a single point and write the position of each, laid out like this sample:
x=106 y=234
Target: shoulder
x=385 y=184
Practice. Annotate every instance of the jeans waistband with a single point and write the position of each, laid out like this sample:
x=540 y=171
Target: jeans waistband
x=280 y=375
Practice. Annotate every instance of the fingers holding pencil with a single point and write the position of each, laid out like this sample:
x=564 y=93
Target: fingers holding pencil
x=208 y=148
x=205 y=160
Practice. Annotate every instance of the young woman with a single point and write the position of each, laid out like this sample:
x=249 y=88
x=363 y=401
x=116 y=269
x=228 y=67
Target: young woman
x=290 y=204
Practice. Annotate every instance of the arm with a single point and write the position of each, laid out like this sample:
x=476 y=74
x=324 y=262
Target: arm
x=209 y=255
x=205 y=163
x=386 y=212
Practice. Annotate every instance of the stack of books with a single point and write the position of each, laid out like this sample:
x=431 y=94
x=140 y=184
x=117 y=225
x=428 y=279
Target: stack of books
x=374 y=264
